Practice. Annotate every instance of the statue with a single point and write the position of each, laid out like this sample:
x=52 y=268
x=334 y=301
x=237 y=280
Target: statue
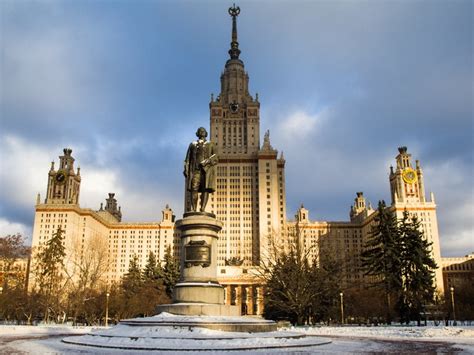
x=200 y=170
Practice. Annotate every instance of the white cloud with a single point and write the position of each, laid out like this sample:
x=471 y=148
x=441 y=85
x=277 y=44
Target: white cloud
x=23 y=174
x=96 y=184
x=7 y=227
x=22 y=165
x=140 y=203
x=454 y=195
x=317 y=169
x=300 y=124
x=459 y=243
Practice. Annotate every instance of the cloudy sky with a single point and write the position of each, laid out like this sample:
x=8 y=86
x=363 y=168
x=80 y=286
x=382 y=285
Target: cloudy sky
x=342 y=84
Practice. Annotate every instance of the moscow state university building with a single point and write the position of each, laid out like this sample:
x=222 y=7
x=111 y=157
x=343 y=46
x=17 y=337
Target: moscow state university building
x=250 y=200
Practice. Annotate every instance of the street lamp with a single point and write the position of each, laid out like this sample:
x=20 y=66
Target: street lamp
x=342 y=307
x=107 y=310
x=452 y=303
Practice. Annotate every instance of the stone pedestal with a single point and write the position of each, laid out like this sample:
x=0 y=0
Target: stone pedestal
x=198 y=292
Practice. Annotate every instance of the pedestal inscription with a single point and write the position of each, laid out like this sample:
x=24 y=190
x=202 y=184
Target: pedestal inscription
x=197 y=253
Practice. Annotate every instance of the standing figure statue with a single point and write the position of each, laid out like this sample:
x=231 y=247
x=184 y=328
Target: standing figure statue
x=200 y=170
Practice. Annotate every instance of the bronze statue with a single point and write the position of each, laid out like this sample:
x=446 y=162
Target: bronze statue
x=200 y=170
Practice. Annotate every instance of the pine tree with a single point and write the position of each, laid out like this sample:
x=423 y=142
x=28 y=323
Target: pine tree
x=49 y=271
x=153 y=290
x=325 y=279
x=381 y=255
x=152 y=270
x=132 y=286
x=417 y=270
x=133 y=280
x=170 y=272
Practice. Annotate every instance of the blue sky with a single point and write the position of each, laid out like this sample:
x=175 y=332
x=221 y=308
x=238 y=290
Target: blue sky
x=125 y=84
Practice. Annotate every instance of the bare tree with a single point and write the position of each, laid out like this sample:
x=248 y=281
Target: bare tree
x=12 y=250
x=86 y=266
x=300 y=286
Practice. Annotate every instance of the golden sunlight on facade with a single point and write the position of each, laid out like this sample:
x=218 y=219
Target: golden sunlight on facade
x=250 y=200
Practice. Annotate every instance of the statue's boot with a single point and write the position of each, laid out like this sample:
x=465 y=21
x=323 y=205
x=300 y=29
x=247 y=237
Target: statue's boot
x=194 y=201
x=204 y=198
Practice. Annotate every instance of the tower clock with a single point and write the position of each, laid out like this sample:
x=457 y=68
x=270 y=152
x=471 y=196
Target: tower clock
x=409 y=175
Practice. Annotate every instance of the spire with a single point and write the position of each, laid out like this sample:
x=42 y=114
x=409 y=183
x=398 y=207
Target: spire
x=234 y=50
x=266 y=141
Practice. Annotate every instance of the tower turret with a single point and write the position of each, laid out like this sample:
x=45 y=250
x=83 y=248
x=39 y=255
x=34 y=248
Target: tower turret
x=359 y=210
x=112 y=208
x=167 y=214
x=302 y=215
x=63 y=184
x=406 y=183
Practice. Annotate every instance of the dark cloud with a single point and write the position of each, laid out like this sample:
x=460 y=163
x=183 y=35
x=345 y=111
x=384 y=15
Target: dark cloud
x=125 y=85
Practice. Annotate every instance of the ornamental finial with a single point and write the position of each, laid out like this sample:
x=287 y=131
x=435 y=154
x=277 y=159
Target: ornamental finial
x=234 y=50
x=234 y=11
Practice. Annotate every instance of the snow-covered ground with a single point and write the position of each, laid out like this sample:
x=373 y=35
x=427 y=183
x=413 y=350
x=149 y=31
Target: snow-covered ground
x=439 y=333
x=18 y=331
x=454 y=340
x=461 y=338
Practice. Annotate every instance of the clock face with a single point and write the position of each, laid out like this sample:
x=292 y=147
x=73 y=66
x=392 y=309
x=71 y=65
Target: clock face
x=60 y=177
x=409 y=175
x=234 y=107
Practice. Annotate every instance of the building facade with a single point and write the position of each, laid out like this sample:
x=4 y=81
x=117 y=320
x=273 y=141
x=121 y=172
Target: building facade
x=250 y=200
x=458 y=271
x=347 y=238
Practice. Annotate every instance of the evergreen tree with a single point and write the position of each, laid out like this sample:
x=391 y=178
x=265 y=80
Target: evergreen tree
x=417 y=270
x=325 y=279
x=170 y=272
x=143 y=290
x=133 y=280
x=132 y=285
x=381 y=255
x=49 y=271
x=153 y=291
x=152 y=270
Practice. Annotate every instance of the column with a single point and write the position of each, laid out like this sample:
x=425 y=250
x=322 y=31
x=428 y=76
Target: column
x=250 y=299
x=259 y=300
x=238 y=296
x=228 y=294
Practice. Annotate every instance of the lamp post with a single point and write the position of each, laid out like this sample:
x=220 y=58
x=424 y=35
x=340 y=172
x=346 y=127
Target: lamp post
x=452 y=303
x=342 y=307
x=107 y=309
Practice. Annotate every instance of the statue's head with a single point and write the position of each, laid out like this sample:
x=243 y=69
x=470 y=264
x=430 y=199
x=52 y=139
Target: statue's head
x=201 y=133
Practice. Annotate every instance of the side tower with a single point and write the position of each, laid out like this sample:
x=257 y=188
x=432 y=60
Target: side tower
x=406 y=183
x=407 y=189
x=250 y=194
x=63 y=184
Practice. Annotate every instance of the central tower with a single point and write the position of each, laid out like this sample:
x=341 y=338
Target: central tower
x=235 y=114
x=250 y=194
